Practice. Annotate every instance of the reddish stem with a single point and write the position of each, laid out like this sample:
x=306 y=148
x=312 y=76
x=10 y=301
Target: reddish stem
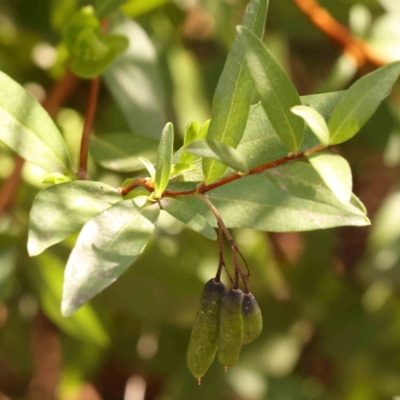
x=201 y=189
x=358 y=50
x=87 y=127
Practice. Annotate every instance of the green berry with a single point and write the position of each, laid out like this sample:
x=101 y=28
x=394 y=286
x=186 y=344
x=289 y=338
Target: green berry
x=252 y=318
x=230 y=339
x=204 y=339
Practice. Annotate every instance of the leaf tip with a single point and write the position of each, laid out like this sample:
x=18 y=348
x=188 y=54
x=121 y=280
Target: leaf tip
x=67 y=309
x=169 y=126
x=239 y=29
x=33 y=248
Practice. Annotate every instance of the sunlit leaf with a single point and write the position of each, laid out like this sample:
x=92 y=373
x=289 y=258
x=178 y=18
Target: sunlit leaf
x=192 y=133
x=260 y=134
x=265 y=203
x=277 y=92
x=233 y=94
x=255 y=202
x=189 y=215
x=149 y=166
x=361 y=101
x=218 y=151
x=134 y=80
x=107 y=245
x=315 y=121
x=61 y=210
x=301 y=179
x=56 y=178
x=180 y=168
x=164 y=159
x=26 y=128
x=335 y=172
x=121 y=151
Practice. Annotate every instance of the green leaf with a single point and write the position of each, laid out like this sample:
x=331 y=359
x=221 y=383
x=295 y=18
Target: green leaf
x=256 y=202
x=276 y=90
x=149 y=166
x=120 y=151
x=107 y=245
x=191 y=134
x=260 y=135
x=104 y=8
x=335 y=172
x=82 y=20
x=189 y=215
x=135 y=8
x=234 y=91
x=219 y=151
x=300 y=179
x=361 y=101
x=27 y=129
x=92 y=52
x=134 y=74
x=47 y=279
x=204 y=130
x=56 y=178
x=291 y=197
x=315 y=121
x=180 y=168
x=164 y=159
x=98 y=53
x=61 y=210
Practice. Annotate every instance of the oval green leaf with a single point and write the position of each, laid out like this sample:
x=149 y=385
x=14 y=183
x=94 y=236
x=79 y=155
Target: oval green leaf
x=361 y=101
x=189 y=215
x=256 y=202
x=134 y=73
x=315 y=121
x=61 y=210
x=277 y=92
x=27 y=129
x=234 y=91
x=107 y=245
x=335 y=171
x=121 y=151
x=219 y=151
x=165 y=154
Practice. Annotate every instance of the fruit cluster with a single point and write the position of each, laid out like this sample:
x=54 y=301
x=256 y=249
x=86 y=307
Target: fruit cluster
x=226 y=321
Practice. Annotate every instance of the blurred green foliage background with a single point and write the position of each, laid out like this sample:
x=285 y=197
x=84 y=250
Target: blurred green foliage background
x=330 y=299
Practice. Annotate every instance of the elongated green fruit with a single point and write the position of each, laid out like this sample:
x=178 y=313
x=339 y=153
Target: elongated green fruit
x=252 y=318
x=204 y=339
x=230 y=338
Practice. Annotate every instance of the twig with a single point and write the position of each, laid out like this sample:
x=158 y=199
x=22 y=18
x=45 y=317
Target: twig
x=206 y=188
x=221 y=262
x=234 y=249
x=354 y=47
x=87 y=127
x=138 y=182
x=58 y=95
